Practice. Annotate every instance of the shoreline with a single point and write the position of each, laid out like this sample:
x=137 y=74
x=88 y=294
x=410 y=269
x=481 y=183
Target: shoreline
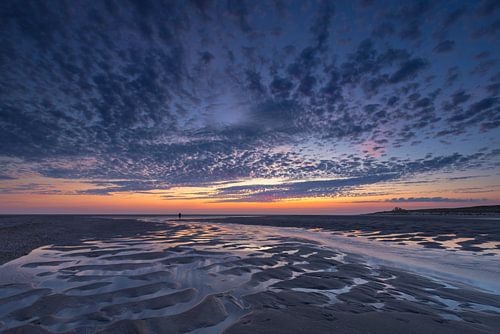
x=430 y=231
x=20 y=234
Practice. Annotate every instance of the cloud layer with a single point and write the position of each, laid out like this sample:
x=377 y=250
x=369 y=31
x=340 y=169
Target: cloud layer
x=148 y=95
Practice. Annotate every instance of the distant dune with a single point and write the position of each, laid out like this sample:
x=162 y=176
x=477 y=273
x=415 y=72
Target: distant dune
x=470 y=210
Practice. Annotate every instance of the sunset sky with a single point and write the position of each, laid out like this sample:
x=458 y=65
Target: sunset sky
x=248 y=106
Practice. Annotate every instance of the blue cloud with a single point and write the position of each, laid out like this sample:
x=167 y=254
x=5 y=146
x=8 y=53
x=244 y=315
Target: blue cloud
x=189 y=93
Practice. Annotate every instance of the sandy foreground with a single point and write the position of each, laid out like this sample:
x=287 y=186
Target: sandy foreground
x=156 y=276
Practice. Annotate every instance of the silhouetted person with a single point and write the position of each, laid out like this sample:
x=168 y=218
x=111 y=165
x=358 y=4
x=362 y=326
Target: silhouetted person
x=180 y=215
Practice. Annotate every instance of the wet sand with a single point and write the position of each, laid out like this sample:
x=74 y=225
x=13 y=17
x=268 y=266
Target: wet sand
x=194 y=277
x=476 y=233
x=21 y=234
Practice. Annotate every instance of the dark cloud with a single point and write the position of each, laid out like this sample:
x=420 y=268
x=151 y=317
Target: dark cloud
x=455 y=178
x=490 y=30
x=373 y=172
x=434 y=200
x=31 y=188
x=494 y=88
x=267 y=193
x=453 y=16
x=458 y=98
x=366 y=3
x=109 y=187
x=483 y=105
x=321 y=26
x=444 y=46
x=487 y=7
x=477 y=111
x=239 y=9
x=408 y=70
x=410 y=15
x=412 y=10
x=383 y=29
x=206 y=57
x=452 y=75
x=411 y=30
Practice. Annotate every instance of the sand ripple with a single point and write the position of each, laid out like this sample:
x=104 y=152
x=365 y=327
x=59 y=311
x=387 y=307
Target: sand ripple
x=213 y=278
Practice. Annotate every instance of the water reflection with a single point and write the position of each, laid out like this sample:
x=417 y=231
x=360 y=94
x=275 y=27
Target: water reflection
x=88 y=286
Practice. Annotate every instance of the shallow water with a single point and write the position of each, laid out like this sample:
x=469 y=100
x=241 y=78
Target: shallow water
x=480 y=270
x=88 y=286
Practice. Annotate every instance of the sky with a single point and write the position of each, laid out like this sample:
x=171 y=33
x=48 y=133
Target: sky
x=237 y=106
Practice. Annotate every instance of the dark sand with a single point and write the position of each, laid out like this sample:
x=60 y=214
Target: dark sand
x=21 y=234
x=202 y=278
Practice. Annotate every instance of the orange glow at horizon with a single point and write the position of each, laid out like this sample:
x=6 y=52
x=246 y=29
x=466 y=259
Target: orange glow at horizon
x=154 y=204
x=68 y=198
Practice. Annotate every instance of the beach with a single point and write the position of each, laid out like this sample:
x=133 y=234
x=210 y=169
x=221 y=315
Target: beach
x=275 y=274
x=248 y=167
